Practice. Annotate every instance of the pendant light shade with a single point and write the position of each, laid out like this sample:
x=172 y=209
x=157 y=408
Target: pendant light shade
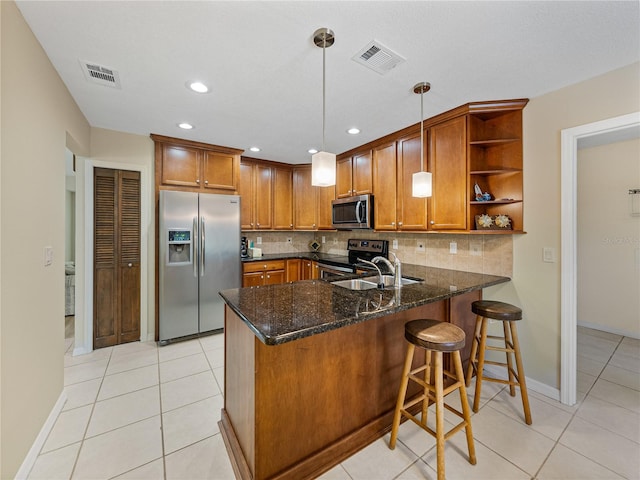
x=323 y=164
x=421 y=182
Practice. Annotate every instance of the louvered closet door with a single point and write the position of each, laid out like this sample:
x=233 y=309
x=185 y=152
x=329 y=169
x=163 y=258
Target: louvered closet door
x=116 y=305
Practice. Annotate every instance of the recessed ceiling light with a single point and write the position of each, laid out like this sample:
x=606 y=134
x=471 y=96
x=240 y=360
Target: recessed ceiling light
x=198 y=87
x=186 y=126
x=353 y=131
x=254 y=149
x=312 y=151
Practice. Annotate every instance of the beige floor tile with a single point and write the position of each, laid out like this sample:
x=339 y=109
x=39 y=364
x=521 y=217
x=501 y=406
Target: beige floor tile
x=215 y=357
x=603 y=344
x=84 y=371
x=378 y=461
x=600 y=352
x=151 y=471
x=336 y=473
x=497 y=431
x=133 y=347
x=629 y=348
x=120 y=450
x=57 y=464
x=83 y=393
x=418 y=470
x=191 y=423
x=131 y=361
x=588 y=365
x=487 y=392
x=124 y=409
x=212 y=342
x=206 y=459
x=182 y=367
x=626 y=361
x=419 y=441
x=602 y=446
x=489 y=465
x=564 y=464
x=612 y=417
x=188 y=390
x=129 y=381
x=179 y=350
x=584 y=382
x=546 y=419
x=632 y=342
x=219 y=374
x=96 y=355
x=69 y=428
x=582 y=331
x=621 y=376
x=622 y=396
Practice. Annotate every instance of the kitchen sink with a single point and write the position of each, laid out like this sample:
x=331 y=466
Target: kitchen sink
x=388 y=280
x=355 y=284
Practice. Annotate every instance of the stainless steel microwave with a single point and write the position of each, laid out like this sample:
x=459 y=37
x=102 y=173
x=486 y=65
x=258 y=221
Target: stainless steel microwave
x=352 y=212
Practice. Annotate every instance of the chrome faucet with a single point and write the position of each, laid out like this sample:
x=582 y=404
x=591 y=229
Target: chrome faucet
x=395 y=269
x=380 y=282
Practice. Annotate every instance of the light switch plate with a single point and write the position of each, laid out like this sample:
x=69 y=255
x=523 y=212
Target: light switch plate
x=453 y=248
x=395 y=244
x=48 y=256
x=548 y=254
x=420 y=246
x=258 y=240
x=324 y=239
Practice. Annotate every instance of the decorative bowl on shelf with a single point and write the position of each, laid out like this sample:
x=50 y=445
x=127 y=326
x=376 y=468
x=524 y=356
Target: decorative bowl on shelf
x=493 y=222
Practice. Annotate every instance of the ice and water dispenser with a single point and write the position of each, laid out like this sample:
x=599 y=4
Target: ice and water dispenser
x=180 y=245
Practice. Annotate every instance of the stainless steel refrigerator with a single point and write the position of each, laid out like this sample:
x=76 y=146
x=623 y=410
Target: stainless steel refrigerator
x=199 y=255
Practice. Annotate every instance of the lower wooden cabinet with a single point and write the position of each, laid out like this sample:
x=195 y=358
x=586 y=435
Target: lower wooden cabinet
x=308 y=270
x=293 y=269
x=255 y=274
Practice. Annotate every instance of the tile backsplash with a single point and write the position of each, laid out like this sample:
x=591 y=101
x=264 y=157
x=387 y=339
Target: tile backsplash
x=491 y=254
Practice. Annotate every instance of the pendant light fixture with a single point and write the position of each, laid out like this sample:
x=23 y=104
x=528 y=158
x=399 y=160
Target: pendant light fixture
x=323 y=164
x=421 y=181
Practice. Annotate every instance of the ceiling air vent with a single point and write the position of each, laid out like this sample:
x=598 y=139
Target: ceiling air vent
x=100 y=74
x=377 y=57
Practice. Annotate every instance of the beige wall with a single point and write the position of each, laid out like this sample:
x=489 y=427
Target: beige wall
x=39 y=118
x=536 y=285
x=609 y=238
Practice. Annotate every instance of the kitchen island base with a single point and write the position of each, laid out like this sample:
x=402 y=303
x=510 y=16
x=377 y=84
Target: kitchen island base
x=295 y=410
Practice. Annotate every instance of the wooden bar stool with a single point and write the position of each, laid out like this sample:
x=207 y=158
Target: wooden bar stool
x=508 y=315
x=435 y=337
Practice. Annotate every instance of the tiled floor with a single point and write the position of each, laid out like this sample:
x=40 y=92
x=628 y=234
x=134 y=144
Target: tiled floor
x=137 y=411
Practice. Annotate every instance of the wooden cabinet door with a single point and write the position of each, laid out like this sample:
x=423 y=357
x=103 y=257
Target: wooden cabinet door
x=412 y=211
x=252 y=279
x=304 y=203
x=384 y=187
x=324 y=196
x=282 y=199
x=274 y=277
x=246 y=190
x=306 y=270
x=448 y=164
x=362 y=174
x=180 y=166
x=293 y=270
x=263 y=197
x=344 y=178
x=220 y=171
x=116 y=304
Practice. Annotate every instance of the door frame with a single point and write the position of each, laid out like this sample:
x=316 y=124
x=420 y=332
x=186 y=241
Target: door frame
x=85 y=344
x=569 y=223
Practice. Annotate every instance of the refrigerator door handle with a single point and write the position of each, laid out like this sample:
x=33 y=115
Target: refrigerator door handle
x=195 y=249
x=202 y=245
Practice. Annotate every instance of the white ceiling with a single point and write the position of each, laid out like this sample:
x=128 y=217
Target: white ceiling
x=265 y=72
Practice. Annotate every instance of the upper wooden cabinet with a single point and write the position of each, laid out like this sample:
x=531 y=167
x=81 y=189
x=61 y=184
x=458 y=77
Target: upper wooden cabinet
x=354 y=175
x=311 y=205
x=256 y=190
x=385 y=186
x=194 y=166
x=412 y=211
x=282 y=198
x=448 y=165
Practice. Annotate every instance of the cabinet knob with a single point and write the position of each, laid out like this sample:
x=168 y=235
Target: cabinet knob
x=268 y=276
x=251 y=224
x=261 y=276
x=432 y=222
x=314 y=225
x=197 y=180
x=400 y=223
x=206 y=182
x=130 y=265
x=291 y=225
x=265 y=266
x=258 y=224
x=393 y=224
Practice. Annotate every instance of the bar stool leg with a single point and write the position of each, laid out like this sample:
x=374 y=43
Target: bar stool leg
x=521 y=379
x=427 y=380
x=480 y=367
x=466 y=411
x=401 y=395
x=474 y=349
x=439 y=414
x=508 y=345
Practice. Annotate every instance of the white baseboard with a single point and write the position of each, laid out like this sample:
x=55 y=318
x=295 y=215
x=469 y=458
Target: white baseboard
x=31 y=457
x=608 y=329
x=539 y=387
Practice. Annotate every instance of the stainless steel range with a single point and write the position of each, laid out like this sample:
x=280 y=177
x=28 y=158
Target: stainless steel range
x=330 y=269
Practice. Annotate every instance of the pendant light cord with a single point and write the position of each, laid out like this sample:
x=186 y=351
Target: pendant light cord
x=421 y=130
x=324 y=44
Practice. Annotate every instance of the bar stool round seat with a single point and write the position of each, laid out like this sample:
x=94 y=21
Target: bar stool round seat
x=435 y=338
x=508 y=343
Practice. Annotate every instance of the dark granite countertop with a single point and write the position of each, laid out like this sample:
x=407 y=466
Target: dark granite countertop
x=282 y=313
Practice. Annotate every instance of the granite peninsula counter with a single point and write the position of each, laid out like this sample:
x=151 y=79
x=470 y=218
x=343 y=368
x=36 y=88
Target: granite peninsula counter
x=312 y=370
